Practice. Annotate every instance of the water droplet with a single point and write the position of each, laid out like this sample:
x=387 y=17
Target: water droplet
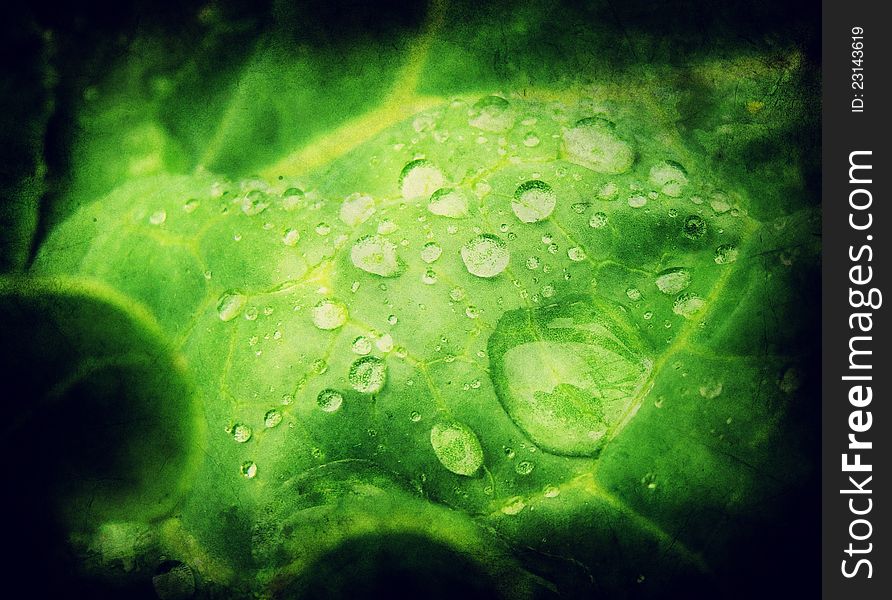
x=548 y=291
x=241 y=433
x=551 y=491
x=694 y=227
x=456 y=294
x=424 y=122
x=637 y=201
x=592 y=143
x=429 y=277
x=415 y=416
x=368 y=375
x=576 y=254
x=375 y=254
x=292 y=198
x=230 y=305
x=687 y=305
x=598 y=220
x=356 y=209
x=392 y=319
x=491 y=113
x=531 y=140
x=290 y=237
x=362 y=345
x=532 y=263
x=272 y=418
x=329 y=314
x=323 y=229
x=430 y=252
x=524 y=467
x=384 y=343
x=485 y=255
x=674 y=280
x=513 y=506
x=533 y=201
x=254 y=203
x=725 y=254
x=190 y=206
x=457 y=447
x=472 y=312
x=634 y=294
x=448 y=202
x=329 y=400
x=249 y=469
x=319 y=366
x=419 y=179
x=670 y=177
x=711 y=389
x=386 y=227
x=567 y=373
x=719 y=203
x=158 y=217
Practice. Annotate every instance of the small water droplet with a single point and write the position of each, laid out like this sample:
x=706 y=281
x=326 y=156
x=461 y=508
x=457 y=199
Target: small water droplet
x=457 y=447
x=361 y=345
x=429 y=277
x=419 y=179
x=248 y=469
x=674 y=280
x=356 y=209
x=576 y=254
x=725 y=254
x=329 y=400
x=240 y=432
x=637 y=201
x=430 y=252
x=711 y=389
x=329 y=314
x=292 y=198
x=533 y=201
x=254 y=203
x=634 y=294
x=323 y=229
x=687 y=305
x=485 y=255
x=190 y=205
x=290 y=237
x=694 y=227
x=524 y=467
x=472 y=312
x=272 y=418
x=158 y=217
x=368 y=375
x=375 y=254
x=491 y=113
x=531 y=140
x=598 y=220
x=230 y=305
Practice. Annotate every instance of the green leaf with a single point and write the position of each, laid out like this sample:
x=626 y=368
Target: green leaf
x=530 y=317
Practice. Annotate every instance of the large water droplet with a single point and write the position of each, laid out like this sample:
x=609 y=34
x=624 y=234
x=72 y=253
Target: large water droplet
x=240 y=432
x=674 y=280
x=420 y=178
x=329 y=314
x=491 y=113
x=158 y=217
x=694 y=227
x=292 y=198
x=533 y=201
x=272 y=418
x=457 y=447
x=356 y=209
x=329 y=400
x=485 y=255
x=568 y=374
x=375 y=254
x=368 y=375
x=449 y=202
x=430 y=252
x=670 y=177
x=725 y=254
x=230 y=305
x=687 y=305
x=592 y=143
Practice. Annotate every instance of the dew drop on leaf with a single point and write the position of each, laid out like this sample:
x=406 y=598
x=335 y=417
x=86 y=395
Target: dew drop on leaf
x=674 y=280
x=272 y=418
x=419 y=179
x=687 y=305
x=576 y=254
x=368 y=375
x=241 y=433
x=711 y=389
x=430 y=252
x=292 y=198
x=290 y=237
x=592 y=143
x=457 y=447
x=531 y=140
x=248 y=469
x=533 y=201
x=598 y=220
x=694 y=227
x=329 y=400
x=485 y=255
x=491 y=113
x=158 y=217
x=361 y=345
x=669 y=177
x=375 y=254
x=448 y=202
x=524 y=467
x=329 y=314
x=356 y=209
x=230 y=305
x=725 y=254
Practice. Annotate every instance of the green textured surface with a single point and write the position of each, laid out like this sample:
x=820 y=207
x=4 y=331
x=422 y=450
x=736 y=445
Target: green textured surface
x=613 y=410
